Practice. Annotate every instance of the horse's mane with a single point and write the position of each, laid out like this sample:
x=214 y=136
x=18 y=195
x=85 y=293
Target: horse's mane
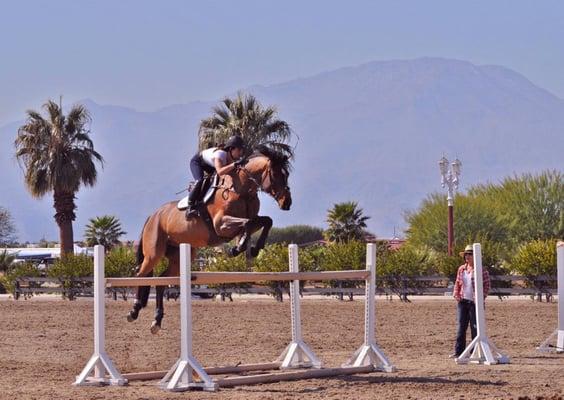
x=277 y=158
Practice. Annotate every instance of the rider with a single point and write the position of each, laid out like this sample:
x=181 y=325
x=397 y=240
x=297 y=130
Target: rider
x=223 y=159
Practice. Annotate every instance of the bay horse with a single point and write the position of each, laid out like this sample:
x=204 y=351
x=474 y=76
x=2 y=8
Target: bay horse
x=233 y=211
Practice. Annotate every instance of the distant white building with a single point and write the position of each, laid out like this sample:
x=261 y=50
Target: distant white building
x=40 y=253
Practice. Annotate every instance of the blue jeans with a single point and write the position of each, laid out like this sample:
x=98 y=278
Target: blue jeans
x=466 y=314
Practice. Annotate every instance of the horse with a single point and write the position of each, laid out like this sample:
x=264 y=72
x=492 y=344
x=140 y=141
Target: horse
x=232 y=211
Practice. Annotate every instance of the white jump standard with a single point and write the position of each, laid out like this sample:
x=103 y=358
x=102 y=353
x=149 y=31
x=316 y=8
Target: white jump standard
x=558 y=334
x=182 y=375
x=100 y=362
x=481 y=350
x=369 y=353
x=297 y=354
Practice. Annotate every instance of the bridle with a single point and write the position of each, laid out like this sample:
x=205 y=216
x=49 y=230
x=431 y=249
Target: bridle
x=261 y=185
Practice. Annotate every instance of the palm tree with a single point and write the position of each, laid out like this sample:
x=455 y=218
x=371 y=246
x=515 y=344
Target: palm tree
x=346 y=222
x=6 y=260
x=58 y=156
x=104 y=230
x=245 y=116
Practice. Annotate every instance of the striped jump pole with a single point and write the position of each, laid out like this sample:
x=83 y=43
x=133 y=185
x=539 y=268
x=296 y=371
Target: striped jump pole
x=558 y=334
x=481 y=350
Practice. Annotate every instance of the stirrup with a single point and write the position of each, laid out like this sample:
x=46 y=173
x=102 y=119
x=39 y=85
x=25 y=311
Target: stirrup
x=192 y=211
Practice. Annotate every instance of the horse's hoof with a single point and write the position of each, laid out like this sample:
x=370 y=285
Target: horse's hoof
x=233 y=252
x=155 y=328
x=254 y=251
x=131 y=317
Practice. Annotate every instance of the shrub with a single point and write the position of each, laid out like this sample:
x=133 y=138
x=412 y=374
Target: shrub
x=69 y=269
x=344 y=256
x=15 y=271
x=400 y=268
x=534 y=260
x=120 y=261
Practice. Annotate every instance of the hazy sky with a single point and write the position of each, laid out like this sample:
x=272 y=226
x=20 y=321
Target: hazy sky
x=149 y=54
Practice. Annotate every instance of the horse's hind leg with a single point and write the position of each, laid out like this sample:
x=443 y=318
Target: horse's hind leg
x=159 y=310
x=153 y=251
x=140 y=301
x=173 y=270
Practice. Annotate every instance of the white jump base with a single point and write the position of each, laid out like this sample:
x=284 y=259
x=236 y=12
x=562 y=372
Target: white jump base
x=481 y=350
x=187 y=373
x=555 y=342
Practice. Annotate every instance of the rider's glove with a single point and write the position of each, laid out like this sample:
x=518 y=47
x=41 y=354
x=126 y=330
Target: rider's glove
x=239 y=162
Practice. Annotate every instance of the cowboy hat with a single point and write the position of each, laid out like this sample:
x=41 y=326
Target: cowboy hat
x=467 y=250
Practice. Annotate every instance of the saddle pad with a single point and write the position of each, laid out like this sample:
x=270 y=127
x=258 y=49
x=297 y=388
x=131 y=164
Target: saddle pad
x=183 y=204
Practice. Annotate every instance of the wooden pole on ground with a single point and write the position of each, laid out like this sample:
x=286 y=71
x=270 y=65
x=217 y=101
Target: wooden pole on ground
x=292 y=376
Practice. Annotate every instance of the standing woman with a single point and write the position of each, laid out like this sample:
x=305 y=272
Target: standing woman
x=224 y=159
x=464 y=294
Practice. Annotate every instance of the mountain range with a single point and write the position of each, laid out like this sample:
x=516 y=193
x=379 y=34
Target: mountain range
x=371 y=133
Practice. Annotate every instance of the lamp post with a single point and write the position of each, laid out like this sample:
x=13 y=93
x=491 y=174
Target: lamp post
x=449 y=179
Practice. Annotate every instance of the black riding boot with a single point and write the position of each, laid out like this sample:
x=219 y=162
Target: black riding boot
x=193 y=199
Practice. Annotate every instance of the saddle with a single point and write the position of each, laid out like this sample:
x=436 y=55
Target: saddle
x=209 y=186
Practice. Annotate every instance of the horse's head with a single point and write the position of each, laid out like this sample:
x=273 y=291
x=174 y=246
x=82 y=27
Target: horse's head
x=274 y=170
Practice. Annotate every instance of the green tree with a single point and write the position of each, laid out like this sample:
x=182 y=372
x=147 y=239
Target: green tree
x=245 y=116
x=536 y=260
x=58 y=156
x=474 y=222
x=7 y=227
x=105 y=230
x=298 y=234
x=346 y=222
x=530 y=206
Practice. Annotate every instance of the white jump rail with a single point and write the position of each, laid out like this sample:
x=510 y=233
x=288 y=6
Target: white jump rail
x=481 y=350
x=297 y=354
x=558 y=335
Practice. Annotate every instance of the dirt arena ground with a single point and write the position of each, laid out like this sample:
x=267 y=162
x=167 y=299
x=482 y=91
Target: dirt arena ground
x=44 y=344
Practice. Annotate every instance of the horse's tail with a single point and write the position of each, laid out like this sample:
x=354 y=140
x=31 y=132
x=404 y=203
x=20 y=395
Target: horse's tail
x=139 y=253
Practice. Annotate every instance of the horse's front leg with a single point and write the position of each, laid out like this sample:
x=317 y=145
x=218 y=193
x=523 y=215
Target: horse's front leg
x=265 y=223
x=228 y=226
